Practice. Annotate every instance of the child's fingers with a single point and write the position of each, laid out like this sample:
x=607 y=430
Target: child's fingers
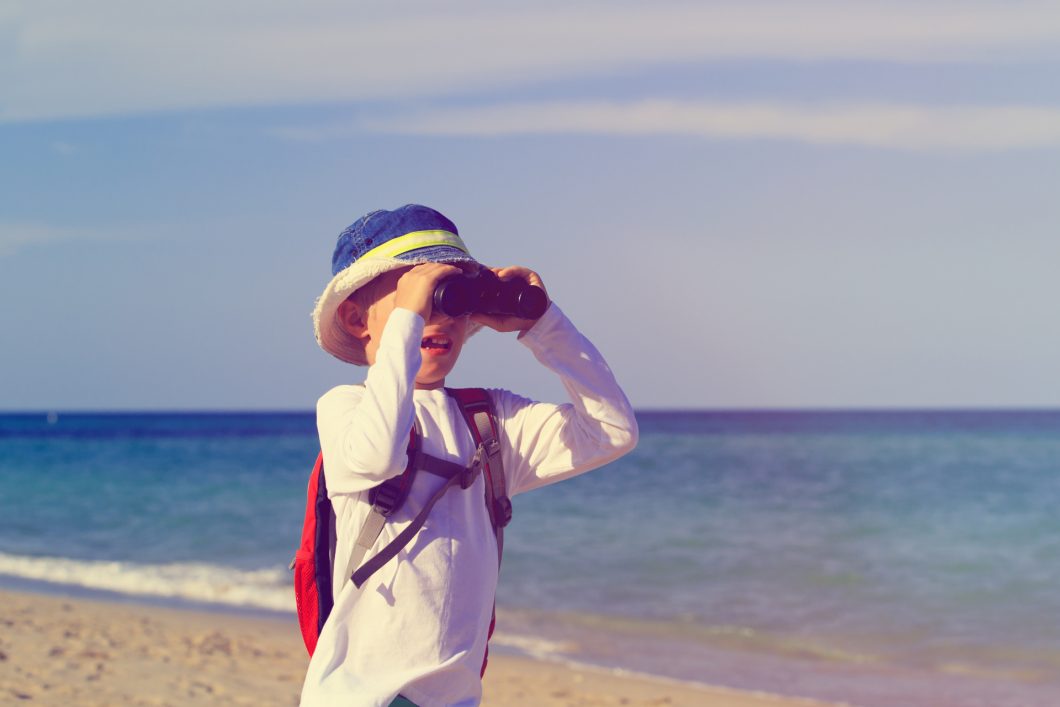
x=519 y=271
x=492 y=321
x=507 y=323
x=415 y=289
x=435 y=271
x=428 y=275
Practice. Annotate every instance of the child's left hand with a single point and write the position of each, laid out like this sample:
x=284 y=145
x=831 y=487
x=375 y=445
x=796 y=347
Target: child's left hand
x=499 y=322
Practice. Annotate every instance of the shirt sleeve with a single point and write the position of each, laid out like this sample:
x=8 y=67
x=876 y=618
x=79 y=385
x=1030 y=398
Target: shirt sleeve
x=545 y=442
x=364 y=429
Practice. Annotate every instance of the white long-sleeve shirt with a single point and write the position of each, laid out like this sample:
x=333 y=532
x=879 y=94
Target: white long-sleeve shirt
x=419 y=625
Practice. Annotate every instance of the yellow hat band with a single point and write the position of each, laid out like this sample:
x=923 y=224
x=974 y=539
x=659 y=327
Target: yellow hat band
x=414 y=241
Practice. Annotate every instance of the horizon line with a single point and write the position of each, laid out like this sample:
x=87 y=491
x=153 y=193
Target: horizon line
x=638 y=410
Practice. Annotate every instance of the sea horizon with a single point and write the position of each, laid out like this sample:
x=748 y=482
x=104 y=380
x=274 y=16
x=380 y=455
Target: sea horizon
x=638 y=410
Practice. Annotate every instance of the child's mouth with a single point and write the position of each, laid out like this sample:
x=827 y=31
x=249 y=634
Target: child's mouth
x=436 y=345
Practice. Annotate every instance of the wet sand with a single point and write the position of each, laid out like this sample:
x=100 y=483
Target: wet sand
x=66 y=651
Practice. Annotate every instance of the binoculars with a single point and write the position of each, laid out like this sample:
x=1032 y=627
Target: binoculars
x=482 y=292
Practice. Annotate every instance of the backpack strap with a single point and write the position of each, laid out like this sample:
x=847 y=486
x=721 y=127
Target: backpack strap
x=477 y=408
x=390 y=495
x=456 y=474
x=385 y=498
x=478 y=412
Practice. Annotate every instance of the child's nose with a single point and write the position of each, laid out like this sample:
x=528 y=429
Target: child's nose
x=439 y=317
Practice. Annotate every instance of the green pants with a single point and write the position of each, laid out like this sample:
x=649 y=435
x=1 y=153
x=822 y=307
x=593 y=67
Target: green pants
x=400 y=701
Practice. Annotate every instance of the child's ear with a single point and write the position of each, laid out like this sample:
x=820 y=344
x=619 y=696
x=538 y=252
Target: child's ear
x=352 y=320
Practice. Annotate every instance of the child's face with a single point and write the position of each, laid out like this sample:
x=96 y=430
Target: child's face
x=443 y=336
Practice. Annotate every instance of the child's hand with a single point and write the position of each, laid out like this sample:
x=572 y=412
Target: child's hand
x=500 y=322
x=415 y=289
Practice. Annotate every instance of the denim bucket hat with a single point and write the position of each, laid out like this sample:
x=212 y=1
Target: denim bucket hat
x=375 y=244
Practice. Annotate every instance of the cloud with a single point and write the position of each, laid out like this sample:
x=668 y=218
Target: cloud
x=63 y=148
x=112 y=57
x=13 y=237
x=18 y=236
x=908 y=127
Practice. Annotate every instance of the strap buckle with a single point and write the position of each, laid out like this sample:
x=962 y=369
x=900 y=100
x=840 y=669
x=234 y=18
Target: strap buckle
x=472 y=470
x=385 y=498
x=491 y=447
x=502 y=511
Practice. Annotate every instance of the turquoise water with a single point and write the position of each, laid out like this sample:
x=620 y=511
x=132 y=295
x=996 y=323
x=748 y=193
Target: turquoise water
x=880 y=558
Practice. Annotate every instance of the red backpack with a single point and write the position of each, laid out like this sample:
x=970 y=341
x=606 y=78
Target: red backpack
x=314 y=560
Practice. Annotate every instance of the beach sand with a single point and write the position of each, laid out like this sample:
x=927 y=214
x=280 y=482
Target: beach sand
x=63 y=651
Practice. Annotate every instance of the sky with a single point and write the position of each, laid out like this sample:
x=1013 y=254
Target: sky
x=746 y=204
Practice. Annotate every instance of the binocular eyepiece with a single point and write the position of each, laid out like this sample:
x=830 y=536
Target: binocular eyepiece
x=482 y=292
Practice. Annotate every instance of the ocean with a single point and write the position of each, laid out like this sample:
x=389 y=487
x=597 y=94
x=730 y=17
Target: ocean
x=878 y=558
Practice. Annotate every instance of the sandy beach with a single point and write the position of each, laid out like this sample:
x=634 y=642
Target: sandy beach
x=65 y=651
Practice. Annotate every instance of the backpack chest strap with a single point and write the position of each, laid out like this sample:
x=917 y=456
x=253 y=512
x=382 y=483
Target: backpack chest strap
x=477 y=410
x=455 y=475
x=389 y=496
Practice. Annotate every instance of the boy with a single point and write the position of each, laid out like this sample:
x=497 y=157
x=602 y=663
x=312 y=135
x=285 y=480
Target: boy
x=416 y=630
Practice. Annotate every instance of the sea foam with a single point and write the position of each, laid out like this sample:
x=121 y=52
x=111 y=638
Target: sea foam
x=268 y=589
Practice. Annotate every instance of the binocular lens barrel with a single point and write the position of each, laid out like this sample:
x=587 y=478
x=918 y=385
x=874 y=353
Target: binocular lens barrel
x=531 y=302
x=485 y=293
x=452 y=297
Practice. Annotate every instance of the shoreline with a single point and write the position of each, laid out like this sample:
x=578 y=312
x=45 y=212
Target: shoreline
x=536 y=658
x=62 y=649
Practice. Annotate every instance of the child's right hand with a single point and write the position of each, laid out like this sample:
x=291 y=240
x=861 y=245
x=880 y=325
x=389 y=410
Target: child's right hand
x=415 y=289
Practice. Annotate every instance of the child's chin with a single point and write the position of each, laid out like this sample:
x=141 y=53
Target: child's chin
x=432 y=375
